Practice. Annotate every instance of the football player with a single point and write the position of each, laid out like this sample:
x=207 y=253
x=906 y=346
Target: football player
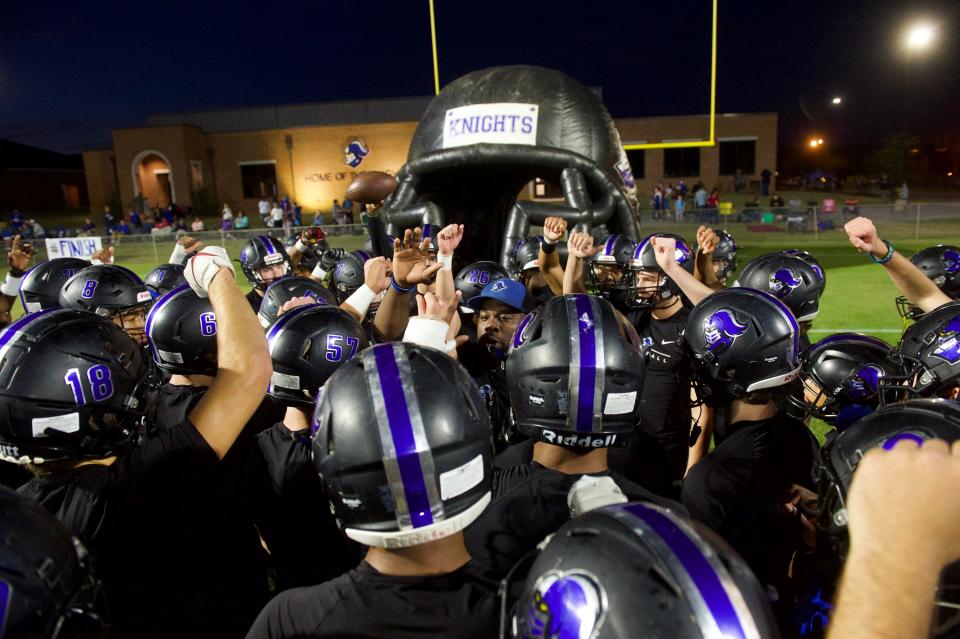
x=405 y=483
x=113 y=292
x=745 y=354
x=941 y=265
x=18 y=261
x=147 y=513
x=263 y=259
x=574 y=377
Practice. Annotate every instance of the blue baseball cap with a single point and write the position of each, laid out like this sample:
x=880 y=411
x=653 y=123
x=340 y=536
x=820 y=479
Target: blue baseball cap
x=505 y=291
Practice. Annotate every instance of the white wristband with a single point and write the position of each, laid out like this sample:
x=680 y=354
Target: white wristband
x=318 y=273
x=11 y=285
x=427 y=331
x=178 y=254
x=95 y=261
x=300 y=246
x=546 y=240
x=446 y=260
x=361 y=300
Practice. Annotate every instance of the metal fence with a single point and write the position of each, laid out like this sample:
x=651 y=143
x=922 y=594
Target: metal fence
x=796 y=224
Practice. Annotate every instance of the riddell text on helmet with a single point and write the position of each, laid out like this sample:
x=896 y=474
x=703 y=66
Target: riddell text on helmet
x=579 y=441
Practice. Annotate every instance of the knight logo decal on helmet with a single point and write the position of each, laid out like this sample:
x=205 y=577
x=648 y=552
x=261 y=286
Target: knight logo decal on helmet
x=682 y=253
x=951 y=261
x=586 y=323
x=783 y=281
x=948 y=344
x=866 y=383
x=721 y=330
x=566 y=605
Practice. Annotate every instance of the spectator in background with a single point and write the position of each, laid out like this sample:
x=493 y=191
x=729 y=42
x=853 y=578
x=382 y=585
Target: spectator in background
x=297 y=215
x=700 y=197
x=119 y=229
x=88 y=228
x=682 y=187
x=162 y=227
x=678 y=207
x=657 y=202
x=243 y=222
x=713 y=202
x=765 y=176
x=263 y=206
x=197 y=225
x=339 y=215
x=108 y=219
x=226 y=219
x=16 y=219
x=285 y=204
x=738 y=181
x=884 y=185
x=136 y=222
x=904 y=192
x=36 y=231
x=168 y=214
x=276 y=216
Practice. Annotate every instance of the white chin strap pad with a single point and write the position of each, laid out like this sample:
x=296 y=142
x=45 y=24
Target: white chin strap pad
x=417 y=536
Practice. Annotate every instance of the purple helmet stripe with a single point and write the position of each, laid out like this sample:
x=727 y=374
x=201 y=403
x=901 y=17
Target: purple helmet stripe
x=902 y=437
x=283 y=321
x=402 y=436
x=151 y=316
x=588 y=366
x=9 y=332
x=267 y=244
x=703 y=575
x=608 y=248
x=4 y=604
x=587 y=371
x=427 y=231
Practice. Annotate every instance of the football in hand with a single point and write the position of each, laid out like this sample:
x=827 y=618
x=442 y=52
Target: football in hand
x=371 y=187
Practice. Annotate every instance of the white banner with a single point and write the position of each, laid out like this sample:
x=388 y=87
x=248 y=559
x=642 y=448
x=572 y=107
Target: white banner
x=502 y=123
x=82 y=247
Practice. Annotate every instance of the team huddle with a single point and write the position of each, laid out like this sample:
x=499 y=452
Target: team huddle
x=375 y=444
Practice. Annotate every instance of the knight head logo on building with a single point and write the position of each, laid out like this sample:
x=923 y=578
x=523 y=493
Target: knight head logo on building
x=354 y=151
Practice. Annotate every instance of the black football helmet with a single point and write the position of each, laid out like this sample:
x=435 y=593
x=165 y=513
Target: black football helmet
x=164 y=279
x=404 y=447
x=40 y=286
x=640 y=570
x=70 y=387
x=575 y=373
x=182 y=333
x=915 y=420
x=645 y=261
x=741 y=340
x=307 y=344
x=473 y=277
x=282 y=291
x=47 y=586
x=929 y=351
x=844 y=371
x=260 y=252
x=813 y=262
x=526 y=255
x=109 y=291
x=941 y=264
x=788 y=278
x=725 y=256
x=608 y=272
x=348 y=274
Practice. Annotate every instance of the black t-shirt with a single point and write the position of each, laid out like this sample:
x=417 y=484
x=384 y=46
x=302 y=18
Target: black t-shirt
x=491 y=381
x=365 y=603
x=292 y=511
x=255 y=300
x=170 y=405
x=656 y=455
x=530 y=502
x=172 y=560
x=737 y=487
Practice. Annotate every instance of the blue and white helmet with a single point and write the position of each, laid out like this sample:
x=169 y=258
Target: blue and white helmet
x=639 y=570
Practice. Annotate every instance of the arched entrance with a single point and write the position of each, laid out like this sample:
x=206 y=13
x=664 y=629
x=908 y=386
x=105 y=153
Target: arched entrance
x=153 y=178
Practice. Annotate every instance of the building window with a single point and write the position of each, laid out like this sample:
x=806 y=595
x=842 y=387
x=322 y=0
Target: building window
x=544 y=190
x=681 y=162
x=738 y=154
x=196 y=175
x=259 y=179
x=636 y=159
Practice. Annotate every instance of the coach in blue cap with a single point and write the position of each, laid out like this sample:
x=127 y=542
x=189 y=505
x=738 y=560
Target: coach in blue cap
x=500 y=308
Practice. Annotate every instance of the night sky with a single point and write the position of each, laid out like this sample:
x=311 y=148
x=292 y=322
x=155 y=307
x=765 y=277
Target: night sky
x=70 y=72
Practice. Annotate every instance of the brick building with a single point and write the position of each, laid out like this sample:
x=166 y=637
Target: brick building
x=311 y=152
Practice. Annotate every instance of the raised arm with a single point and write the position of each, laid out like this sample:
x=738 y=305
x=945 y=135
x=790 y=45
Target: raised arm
x=243 y=363
x=579 y=247
x=409 y=269
x=19 y=261
x=665 y=248
x=904 y=498
x=707 y=240
x=376 y=279
x=910 y=280
x=553 y=273
x=448 y=239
